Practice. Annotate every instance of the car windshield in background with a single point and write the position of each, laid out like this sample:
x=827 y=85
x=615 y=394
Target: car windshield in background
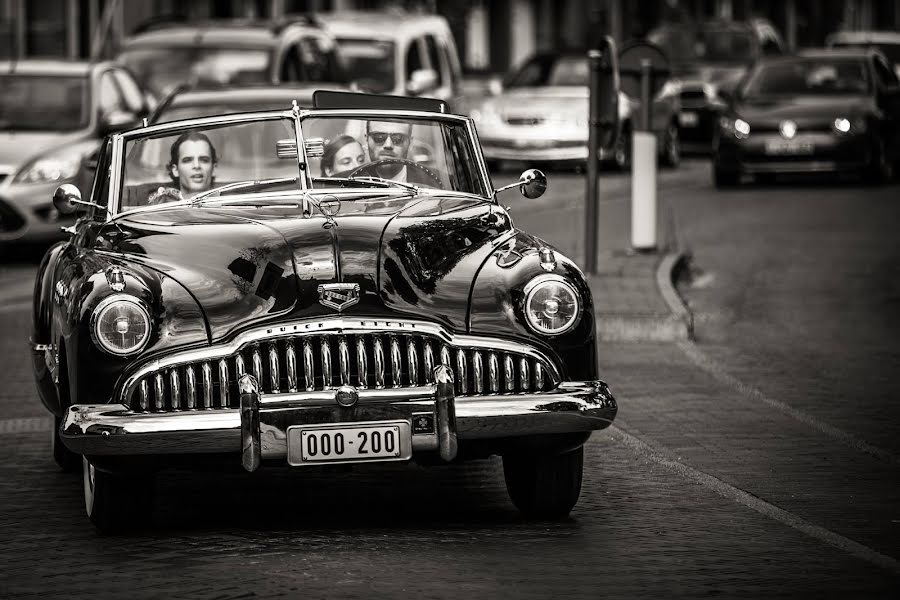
x=370 y=64
x=891 y=51
x=724 y=46
x=551 y=70
x=43 y=102
x=807 y=77
x=164 y=68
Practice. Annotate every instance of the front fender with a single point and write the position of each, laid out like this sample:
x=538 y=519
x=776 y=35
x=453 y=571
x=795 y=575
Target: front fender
x=41 y=314
x=498 y=297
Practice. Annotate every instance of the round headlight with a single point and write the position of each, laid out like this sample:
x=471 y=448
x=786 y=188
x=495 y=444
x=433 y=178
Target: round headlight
x=552 y=306
x=120 y=325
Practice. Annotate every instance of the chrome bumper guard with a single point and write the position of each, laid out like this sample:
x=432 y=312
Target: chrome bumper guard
x=259 y=429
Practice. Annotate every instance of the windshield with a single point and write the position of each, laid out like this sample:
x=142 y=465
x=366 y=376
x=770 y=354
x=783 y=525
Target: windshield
x=389 y=153
x=161 y=69
x=685 y=45
x=43 y=102
x=807 y=77
x=370 y=64
x=551 y=70
x=891 y=51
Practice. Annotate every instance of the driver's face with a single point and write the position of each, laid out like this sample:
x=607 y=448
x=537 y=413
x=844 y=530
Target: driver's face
x=388 y=140
x=195 y=167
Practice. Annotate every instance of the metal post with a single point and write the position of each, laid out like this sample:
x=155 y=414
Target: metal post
x=591 y=195
x=643 y=171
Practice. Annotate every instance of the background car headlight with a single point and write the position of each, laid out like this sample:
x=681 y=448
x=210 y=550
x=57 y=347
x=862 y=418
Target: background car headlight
x=843 y=126
x=120 y=325
x=738 y=127
x=49 y=169
x=552 y=306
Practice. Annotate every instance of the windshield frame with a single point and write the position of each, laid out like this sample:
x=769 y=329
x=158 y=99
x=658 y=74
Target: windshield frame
x=305 y=188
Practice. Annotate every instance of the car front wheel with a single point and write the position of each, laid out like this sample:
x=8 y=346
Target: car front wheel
x=544 y=486
x=116 y=503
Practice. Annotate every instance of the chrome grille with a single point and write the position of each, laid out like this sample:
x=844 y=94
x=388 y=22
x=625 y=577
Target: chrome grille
x=367 y=361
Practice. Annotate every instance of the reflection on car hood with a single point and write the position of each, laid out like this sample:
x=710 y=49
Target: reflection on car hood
x=17 y=147
x=803 y=108
x=415 y=257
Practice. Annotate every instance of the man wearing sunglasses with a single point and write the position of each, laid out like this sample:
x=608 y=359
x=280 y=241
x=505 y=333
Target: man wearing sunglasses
x=389 y=141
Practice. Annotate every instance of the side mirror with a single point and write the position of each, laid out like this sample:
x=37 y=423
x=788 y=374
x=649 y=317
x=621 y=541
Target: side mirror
x=532 y=184
x=421 y=81
x=67 y=200
x=117 y=120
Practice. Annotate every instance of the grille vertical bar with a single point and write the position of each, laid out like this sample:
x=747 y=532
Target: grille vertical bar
x=239 y=365
x=509 y=373
x=493 y=373
x=445 y=357
x=326 y=362
x=538 y=376
x=379 y=363
x=362 y=368
x=412 y=357
x=344 y=360
x=256 y=361
x=462 y=378
x=191 y=387
x=144 y=395
x=478 y=373
x=223 y=380
x=274 y=375
x=206 y=375
x=291 y=360
x=429 y=362
x=159 y=392
x=523 y=375
x=396 y=370
x=308 y=369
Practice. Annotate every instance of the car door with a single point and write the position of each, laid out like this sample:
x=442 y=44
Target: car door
x=888 y=98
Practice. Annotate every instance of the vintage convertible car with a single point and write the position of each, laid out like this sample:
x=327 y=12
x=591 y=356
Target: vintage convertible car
x=285 y=318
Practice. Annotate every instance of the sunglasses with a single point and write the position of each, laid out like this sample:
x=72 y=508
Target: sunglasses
x=396 y=138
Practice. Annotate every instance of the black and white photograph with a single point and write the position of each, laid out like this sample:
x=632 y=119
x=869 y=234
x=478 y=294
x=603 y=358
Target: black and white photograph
x=450 y=299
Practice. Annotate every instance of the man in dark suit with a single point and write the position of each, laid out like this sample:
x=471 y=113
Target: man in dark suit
x=389 y=141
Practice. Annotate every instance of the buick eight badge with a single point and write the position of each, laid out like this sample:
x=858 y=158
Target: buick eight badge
x=339 y=295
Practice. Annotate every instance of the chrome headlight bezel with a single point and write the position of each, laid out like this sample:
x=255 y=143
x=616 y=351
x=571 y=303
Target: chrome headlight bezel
x=538 y=283
x=107 y=304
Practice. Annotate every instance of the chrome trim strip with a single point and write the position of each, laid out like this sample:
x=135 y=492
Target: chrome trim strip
x=159 y=390
x=412 y=357
x=429 y=362
x=191 y=387
x=509 y=373
x=291 y=365
x=395 y=363
x=362 y=367
x=347 y=326
x=206 y=374
x=379 y=363
x=478 y=373
x=493 y=373
x=308 y=367
x=344 y=356
x=223 y=382
x=274 y=375
x=462 y=379
x=256 y=359
x=145 y=395
x=325 y=348
x=524 y=378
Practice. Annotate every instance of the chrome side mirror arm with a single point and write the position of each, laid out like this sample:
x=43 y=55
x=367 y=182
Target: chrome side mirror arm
x=67 y=199
x=532 y=184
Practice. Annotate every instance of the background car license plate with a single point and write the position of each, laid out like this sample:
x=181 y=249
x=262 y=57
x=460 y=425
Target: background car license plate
x=349 y=442
x=688 y=119
x=793 y=147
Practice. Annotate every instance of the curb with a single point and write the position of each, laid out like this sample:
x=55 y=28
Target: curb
x=677 y=326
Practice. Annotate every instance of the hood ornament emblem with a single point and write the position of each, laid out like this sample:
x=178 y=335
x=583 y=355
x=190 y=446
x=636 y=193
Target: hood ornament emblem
x=338 y=295
x=788 y=129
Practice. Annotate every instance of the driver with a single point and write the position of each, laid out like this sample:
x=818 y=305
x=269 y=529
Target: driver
x=192 y=167
x=389 y=141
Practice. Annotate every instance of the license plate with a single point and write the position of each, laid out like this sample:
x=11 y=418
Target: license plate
x=779 y=147
x=349 y=442
x=688 y=119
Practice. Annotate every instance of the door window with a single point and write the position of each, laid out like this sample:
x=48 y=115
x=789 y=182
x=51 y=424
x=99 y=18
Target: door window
x=131 y=93
x=414 y=60
x=110 y=98
x=440 y=66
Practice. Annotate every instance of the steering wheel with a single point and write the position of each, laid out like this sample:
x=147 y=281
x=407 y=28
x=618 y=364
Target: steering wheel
x=370 y=169
x=163 y=195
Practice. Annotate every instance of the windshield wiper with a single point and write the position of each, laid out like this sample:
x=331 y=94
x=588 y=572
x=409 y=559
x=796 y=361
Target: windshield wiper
x=238 y=185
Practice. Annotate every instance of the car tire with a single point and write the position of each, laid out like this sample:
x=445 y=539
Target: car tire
x=671 y=156
x=544 y=486
x=65 y=459
x=723 y=178
x=116 y=503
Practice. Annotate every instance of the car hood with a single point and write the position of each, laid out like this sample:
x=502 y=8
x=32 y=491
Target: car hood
x=18 y=147
x=803 y=109
x=560 y=102
x=413 y=257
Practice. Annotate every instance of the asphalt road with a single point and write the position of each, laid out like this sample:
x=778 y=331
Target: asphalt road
x=760 y=460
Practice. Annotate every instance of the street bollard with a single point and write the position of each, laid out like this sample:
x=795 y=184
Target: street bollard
x=643 y=170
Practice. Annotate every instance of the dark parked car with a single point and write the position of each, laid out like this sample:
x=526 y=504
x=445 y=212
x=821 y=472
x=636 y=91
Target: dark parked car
x=166 y=54
x=388 y=313
x=53 y=116
x=706 y=58
x=823 y=110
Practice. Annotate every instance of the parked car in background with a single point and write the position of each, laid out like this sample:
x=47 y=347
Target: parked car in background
x=821 y=111
x=285 y=318
x=397 y=53
x=165 y=54
x=540 y=113
x=708 y=57
x=53 y=116
x=887 y=42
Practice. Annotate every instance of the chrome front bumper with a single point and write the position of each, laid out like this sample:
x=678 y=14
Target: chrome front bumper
x=259 y=428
